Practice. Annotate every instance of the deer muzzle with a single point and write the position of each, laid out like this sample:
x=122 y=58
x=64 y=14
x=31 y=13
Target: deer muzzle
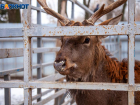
x=60 y=66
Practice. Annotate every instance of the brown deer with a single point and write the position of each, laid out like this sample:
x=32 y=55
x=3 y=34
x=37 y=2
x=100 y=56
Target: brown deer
x=84 y=59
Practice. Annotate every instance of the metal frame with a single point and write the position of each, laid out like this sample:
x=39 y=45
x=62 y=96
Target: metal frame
x=29 y=31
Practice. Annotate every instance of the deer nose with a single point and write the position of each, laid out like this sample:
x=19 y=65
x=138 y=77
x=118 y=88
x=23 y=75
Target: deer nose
x=60 y=66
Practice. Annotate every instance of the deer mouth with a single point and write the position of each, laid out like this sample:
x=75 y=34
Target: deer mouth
x=66 y=71
x=63 y=68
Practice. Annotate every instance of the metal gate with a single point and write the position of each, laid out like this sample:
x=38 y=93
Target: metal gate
x=28 y=31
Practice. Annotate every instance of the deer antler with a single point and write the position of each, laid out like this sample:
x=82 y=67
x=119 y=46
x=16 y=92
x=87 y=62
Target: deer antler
x=62 y=19
x=102 y=11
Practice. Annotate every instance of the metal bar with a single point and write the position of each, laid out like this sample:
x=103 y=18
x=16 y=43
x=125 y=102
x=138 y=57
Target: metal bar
x=72 y=11
x=52 y=77
x=18 y=52
x=37 y=31
x=21 y=39
x=47 y=64
x=83 y=7
x=27 y=53
x=67 y=102
x=51 y=32
x=39 y=95
x=43 y=49
x=60 y=92
x=11 y=32
x=114 y=52
x=7 y=72
x=7 y=91
x=67 y=85
x=8 y=53
x=16 y=70
x=70 y=31
x=2 y=59
x=39 y=55
x=131 y=49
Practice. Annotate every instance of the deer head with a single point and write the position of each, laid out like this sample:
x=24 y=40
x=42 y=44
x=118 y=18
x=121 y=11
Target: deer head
x=78 y=54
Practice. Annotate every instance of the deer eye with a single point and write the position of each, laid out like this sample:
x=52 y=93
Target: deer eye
x=86 y=40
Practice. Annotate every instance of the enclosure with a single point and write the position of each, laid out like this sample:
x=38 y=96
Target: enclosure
x=38 y=34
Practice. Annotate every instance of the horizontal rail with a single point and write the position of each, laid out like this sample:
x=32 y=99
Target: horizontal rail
x=11 y=32
x=78 y=30
x=114 y=52
x=41 y=50
x=18 y=52
x=55 y=95
x=8 y=53
x=127 y=52
x=110 y=44
x=52 y=77
x=70 y=85
x=42 y=94
x=15 y=70
x=21 y=40
x=47 y=64
x=43 y=31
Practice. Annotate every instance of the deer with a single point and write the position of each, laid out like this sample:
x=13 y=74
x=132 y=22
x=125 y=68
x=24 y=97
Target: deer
x=85 y=59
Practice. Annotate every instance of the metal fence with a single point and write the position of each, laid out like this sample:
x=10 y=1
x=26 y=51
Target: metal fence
x=29 y=31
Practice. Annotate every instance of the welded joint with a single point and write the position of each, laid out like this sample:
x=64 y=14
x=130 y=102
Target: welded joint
x=131 y=29
x=131 y=88
x=25 y=88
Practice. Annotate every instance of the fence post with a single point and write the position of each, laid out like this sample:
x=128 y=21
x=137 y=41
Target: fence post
x=131 y=49
x=27 y=53
x=7 y=91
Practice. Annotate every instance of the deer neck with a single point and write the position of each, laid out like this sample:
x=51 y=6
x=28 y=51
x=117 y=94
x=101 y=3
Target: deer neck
x=107 y=69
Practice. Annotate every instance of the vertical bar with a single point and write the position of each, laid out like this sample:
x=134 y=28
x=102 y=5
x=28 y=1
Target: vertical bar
x=72 y=11
x=15 y=63
x=131 y=49
x=2 y=59
x=27 y=53
x=38 y=15
x=119 y=47
x=120 y=51
x=109 y=38
x=7 y=91
x=39 y=55
x=39 y=61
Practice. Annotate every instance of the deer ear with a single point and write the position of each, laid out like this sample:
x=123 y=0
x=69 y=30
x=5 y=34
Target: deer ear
x=112 y=21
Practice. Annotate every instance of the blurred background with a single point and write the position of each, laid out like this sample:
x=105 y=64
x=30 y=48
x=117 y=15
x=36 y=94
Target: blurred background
x=76 y=10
